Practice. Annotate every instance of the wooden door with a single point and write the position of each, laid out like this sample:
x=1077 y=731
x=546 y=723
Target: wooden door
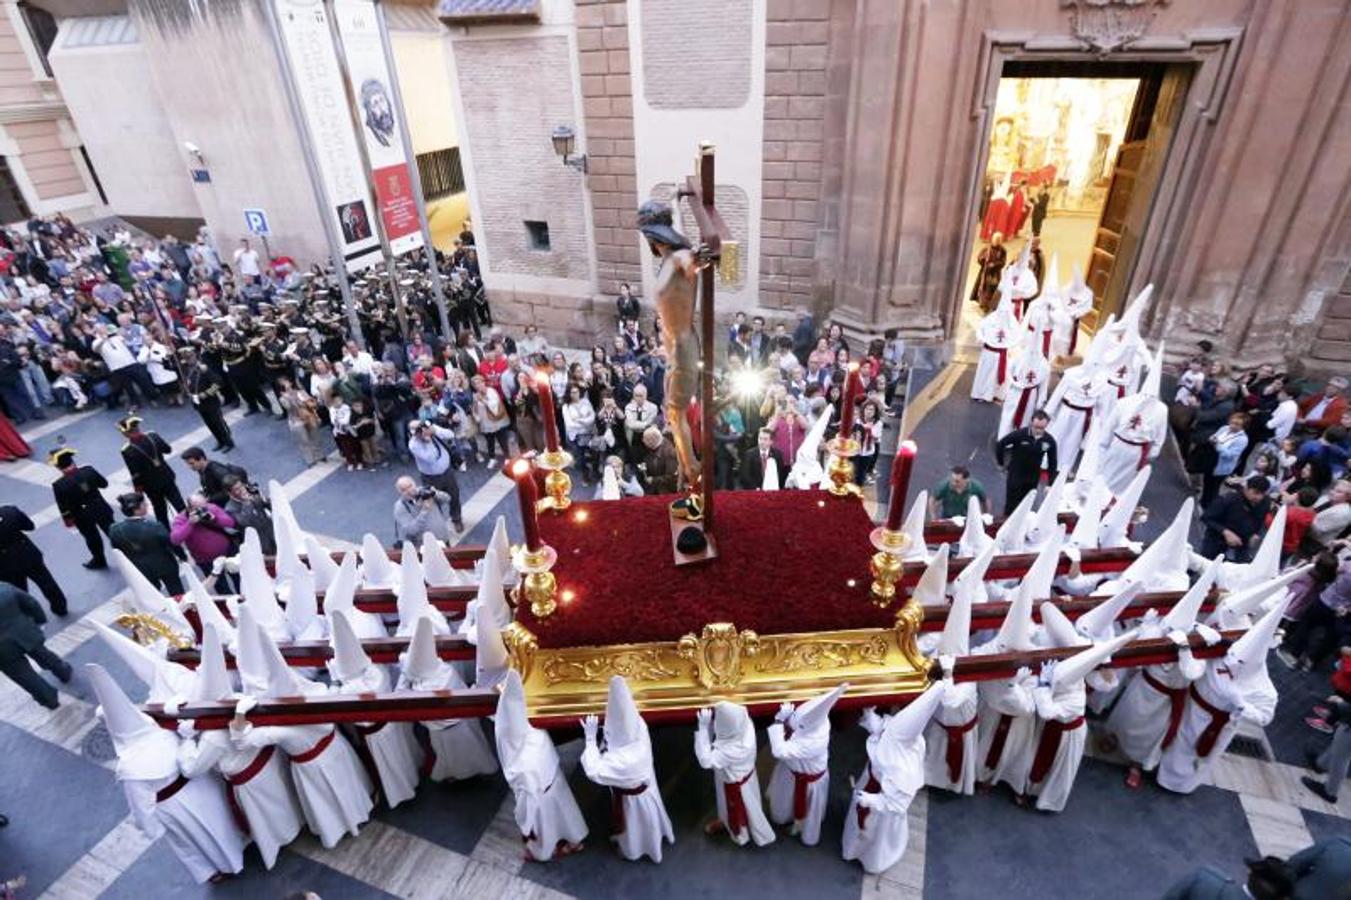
x=1111 y=226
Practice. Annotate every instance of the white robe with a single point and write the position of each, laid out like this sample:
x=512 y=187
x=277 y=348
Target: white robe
x=1064 y=703
x=1138 y=423
x=646 y=824
x=731 y=765
x=999 y=698
x=995 y=330
x=1140 y=720
x=807 y=753
x=461 y=749
x=196 y=821
x=881 y=841
x=1079 y=397
x=545 y=810
x=959 y=708
x=1023 y=383
x=268 y=799
x=1180 y=769
x=333 y=788
x=393 y=748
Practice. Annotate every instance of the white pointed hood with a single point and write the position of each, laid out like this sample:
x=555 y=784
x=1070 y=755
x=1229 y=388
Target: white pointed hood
x=413 y=603
x=1163 y=564
x=350 y=660
x=436 y=568
x=1056 y=628
x=290 y=543
x=207 y=611
x=1130 y=319
x=609 y=484
x=146 y=598
x=1046 y=524
x=909 y=723
x=1232 y=611
x=1099 y=623
x=492 y=600
x=212 y=679
x=806 y=471
x=1266 y=562
x=1016 y=632
x=341 y=596
x=499 y=542
x=511 y=724
x=624 y=725
x=1078 y=291
x=1009 y=537
x=145 y=752
x=1104 y=345
x=250 y=657
x=970 y=582
x=320 y=563
x=258 y=590
x=1051 y=288
x=1077 y=667
x=1247 y=656
x=376 y=569
x=421 y=663
x=956 y=637
x=282 y=680
x=285 y=526
x=814 y=714
x=771 y=480
x=1154 y=379
x=165 y=679
x=973 y=539
x=302 y=609
x=913 y=527
x=1182 y=617
x=1088 y=527
x=932 y=587
x=490 y=654
x=732 y=724
x=1086 y=473
x=1116 y=522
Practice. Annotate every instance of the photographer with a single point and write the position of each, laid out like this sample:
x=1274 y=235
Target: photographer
x=420 y=510
x=250 y=509
x=205 y=530
x=430 y=446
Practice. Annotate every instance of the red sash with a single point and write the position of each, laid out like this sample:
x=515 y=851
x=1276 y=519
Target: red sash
x=800 y=782
x=1001 y=735
x=872 y=787
x=363 y=749
x=1177 y=703
x=242 y=777
x=1046 y=344
x=1218 y=719
x=1049 y=745
x=956 y=748
x=1022 y=406
x=1088 y=414
x=1074 y=335
x=170 y=789
x=1144 y=450
x=617 y=795
x=424 y=738
x=314 y=752
x=1003 y=361
x=737 y=817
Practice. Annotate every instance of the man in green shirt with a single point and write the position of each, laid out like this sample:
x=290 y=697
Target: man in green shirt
x=952 y=494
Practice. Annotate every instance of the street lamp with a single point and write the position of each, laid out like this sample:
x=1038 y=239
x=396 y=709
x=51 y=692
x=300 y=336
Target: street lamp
x=565 y=141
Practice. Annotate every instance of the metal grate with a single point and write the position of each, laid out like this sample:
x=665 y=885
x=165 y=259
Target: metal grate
x=441 y=173
x=1251 y=747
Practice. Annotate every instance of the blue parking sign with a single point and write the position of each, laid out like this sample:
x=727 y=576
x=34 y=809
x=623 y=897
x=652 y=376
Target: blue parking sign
x=256 y=221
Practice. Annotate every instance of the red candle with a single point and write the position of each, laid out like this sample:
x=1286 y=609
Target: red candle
x=522 y=472
x=847 y=403
x=546 y=410
x=900 y=483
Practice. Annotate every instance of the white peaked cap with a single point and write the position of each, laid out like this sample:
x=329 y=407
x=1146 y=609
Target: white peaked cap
x=1087 y=471
x=283 y=517
x=282 y=680
x=207 y=611
x=731 y=722
x=321 y=564
x=623 y=723
x=1116 y=522
x=1130 y=319
x=490 y=653
x=257 y=588
x=250 y=658
x=609 y=484
x=212 y=681
x=421 y=662
x=1009 y=537
x=909 y=723
x=1045 y=522
x=932 y=587
x=1249 y=599
x=971 y=580
x=1266 y=562
x=1168 y=556
x=498 y=541
x=1182 y=617
x=1077 y=667
x=1077 y=286
x=1057 y=627
x=1098 y=624
x=376 y=569
x=1150 y=388
x=492 y=599
x=1088 y=527
x=302 y=608
x=146 y=597
x=1037 y=582
x=144 y=750
x=436 y=568
x=1016 y=631
x=974 y=539
x=1249 y=652
x=1051 y=283
x=165 y=679
x=289 y=543
x=814 y=713
x=413 y=603
x=511 y=725
x=341 y=592
x=913 y=527
x=805 y=463
x=956 y=637
x=1104 y=343
x=771 y=479
x=350 y=659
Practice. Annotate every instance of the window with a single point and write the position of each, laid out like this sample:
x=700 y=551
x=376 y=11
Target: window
x=13 y=208
x=538 y=232
x=441 y=173
x=42 y=29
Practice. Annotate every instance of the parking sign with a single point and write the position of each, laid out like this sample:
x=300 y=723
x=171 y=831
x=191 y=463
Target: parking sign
x=256 y=221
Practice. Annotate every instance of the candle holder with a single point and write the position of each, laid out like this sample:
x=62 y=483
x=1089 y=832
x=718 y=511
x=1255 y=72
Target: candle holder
x=886 y=564
x=840 y=469
x=538 y=586
x=557 y=484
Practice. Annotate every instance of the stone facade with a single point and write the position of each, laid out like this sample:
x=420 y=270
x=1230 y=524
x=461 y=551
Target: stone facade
x=711 y=74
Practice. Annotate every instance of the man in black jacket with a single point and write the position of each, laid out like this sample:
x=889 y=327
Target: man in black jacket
x=1234 y=521
x=754 y=464
x=21 y=561
x=82 y=506
x=21 y=639
x=1026 y=455
x=145 y=542
x=212 y=473
x=207 y=392
x=145 y=454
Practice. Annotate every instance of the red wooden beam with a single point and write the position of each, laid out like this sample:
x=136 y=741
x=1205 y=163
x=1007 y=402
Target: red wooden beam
x=310 y=654
x=1015 y=565
x=946 y=531
x=461 y=556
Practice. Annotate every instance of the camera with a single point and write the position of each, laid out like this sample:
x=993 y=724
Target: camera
x=426 y=493
x=200 y=514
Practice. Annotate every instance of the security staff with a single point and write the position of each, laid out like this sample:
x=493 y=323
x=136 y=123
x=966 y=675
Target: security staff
x=206 y=391
x=145 y=454
x=82 y=506
x=21 y=639
x=21 y=561
x=1027 y=455
x=146 y=543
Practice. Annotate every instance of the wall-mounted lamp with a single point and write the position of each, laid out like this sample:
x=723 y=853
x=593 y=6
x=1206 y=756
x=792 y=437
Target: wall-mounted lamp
x=565 y=141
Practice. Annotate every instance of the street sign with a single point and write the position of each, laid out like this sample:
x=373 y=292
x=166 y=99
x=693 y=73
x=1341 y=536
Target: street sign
x=256 y=221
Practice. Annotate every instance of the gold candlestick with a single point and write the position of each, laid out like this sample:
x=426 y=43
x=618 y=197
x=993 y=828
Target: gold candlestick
x=538 y=585
x=841 y=467
x=886 y=564
x=557 y=484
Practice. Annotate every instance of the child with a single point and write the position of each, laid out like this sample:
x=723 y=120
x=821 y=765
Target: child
x=1190 y=382
x=1297 y=520
x=344 y=435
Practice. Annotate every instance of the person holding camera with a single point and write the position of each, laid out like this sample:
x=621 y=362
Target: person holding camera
x=431 y=448
x=419 y=510
x=205 y=530
x=250 y=509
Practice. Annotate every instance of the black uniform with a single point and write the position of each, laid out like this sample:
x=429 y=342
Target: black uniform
x=275 y=364
x=83 y=507
x=21 y=560
x=20 y=639
x=206 y=390
x=146 y=543
x=210 y=357
x=244 y=365
x=1025 y=458
x=213 y=481
x=145 y=455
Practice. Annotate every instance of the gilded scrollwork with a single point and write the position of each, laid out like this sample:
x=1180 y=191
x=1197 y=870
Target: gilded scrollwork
x=147 y=629
x=908 y=620
x=785 y=656
x=522 y=647
x=645 y=665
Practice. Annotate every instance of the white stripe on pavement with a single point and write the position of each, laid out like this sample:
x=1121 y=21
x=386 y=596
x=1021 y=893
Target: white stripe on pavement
x=484 y=501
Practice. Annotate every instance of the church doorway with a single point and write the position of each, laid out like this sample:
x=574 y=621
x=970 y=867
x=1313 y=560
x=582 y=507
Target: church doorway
x=1073 y=155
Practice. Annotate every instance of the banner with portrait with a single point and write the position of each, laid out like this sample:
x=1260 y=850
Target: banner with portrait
x=368 y=72
x=308 y=43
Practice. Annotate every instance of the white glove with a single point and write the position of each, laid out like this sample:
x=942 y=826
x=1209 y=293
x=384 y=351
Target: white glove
x=704 y=718
x=245 y=704
x=590 y=725
x=959 y=521
x=1022 y=674
x=1135 y=547
x=1072 y=553
x=785 y=712
x=1150 y=617
x=1208 y=634
x=946 y=662
x=865 y=799
x=1047 y=670
x=1179 y=638
x=172 y=705
x=187 y=728
x=870 y=720
x=987 y=518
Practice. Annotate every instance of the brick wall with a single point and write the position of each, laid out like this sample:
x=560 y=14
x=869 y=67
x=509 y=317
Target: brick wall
x=735 y=208
x=795 y=91
x=710 y=72
x=607 y=99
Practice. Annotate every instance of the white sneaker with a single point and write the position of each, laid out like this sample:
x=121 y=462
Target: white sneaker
x=492 y=461
x=463 y=466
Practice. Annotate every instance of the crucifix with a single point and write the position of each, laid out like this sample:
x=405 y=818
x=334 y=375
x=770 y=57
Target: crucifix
x=689 y=366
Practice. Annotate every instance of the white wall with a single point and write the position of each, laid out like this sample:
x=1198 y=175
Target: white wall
x=428 y=104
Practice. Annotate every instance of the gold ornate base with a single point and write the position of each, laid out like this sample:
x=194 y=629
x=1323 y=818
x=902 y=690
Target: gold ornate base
x=840 y=469
x=557 y=484
x=538 y=586
x=887 y=565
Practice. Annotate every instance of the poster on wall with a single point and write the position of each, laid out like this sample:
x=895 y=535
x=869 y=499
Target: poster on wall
x=368 y=71
x=318 y=82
